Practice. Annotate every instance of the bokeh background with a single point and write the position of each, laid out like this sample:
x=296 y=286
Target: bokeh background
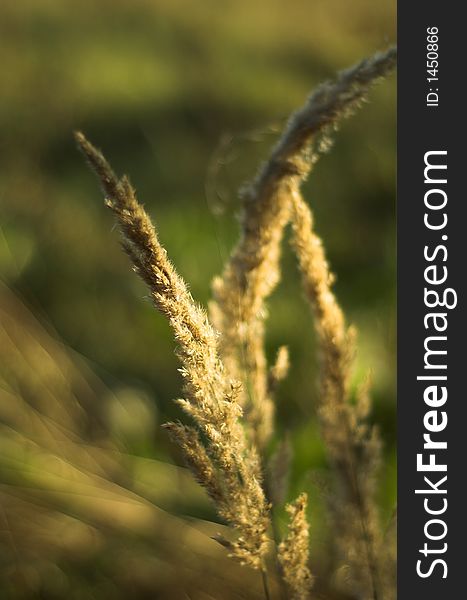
x=187 y=98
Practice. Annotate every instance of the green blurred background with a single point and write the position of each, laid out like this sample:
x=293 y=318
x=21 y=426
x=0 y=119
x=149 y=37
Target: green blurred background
x=187 y=98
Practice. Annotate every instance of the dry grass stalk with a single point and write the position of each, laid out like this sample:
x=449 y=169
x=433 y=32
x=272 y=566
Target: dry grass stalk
x=223 y=456
x=293 y=551
x=252 y=273
x=227 y=467
x=353 y=447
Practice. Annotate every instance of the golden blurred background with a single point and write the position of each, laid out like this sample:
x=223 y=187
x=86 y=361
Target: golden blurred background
x=187 y=98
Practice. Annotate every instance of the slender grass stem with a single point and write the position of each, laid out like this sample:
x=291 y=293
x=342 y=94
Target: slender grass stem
x=264 y=576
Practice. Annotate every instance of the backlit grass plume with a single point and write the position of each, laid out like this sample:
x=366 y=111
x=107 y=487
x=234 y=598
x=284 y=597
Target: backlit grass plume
x=238 y=310
x=293 y=552
x=226 y=465
x=353 y=447
x=229 y=387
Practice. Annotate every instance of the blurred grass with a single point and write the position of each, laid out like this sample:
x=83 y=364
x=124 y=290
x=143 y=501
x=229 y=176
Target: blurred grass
x=156 y=84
